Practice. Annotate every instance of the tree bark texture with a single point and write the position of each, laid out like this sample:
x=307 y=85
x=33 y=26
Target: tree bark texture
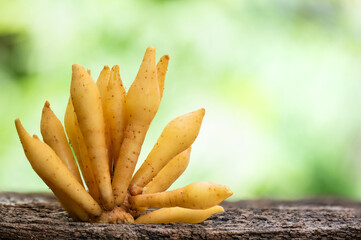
x=39 y=216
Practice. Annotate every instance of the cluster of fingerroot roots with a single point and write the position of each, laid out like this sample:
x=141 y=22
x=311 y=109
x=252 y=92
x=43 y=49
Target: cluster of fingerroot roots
x=105 y=127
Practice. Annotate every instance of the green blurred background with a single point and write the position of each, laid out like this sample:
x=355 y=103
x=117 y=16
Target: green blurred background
x=280 y=81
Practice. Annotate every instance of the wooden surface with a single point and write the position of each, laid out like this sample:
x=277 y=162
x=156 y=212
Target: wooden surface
x=39 y=216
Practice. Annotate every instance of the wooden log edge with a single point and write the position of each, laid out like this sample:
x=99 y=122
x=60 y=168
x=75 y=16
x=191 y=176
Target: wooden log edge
x=39 y=216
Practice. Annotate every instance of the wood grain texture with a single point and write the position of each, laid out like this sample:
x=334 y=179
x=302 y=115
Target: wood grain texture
x=39 y=216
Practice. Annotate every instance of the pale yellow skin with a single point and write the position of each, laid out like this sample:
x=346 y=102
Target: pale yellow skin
x=142 y=102
x=114 y=111
x=88 y=108
x=48 y=166
x=54 y=135
x=102 y=84
x=199 y=195
x=103 y=80
x=171 y=172
x=165 y=178
x=162 y=67
x=73 y=209
x=177 y=214
x=177 y=136
x=77 y=141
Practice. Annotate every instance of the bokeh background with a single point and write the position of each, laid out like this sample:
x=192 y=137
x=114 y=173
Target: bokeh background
x=280 y=81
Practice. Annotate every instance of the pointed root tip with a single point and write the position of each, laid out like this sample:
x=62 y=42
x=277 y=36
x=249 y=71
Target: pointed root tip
x=228 y=191
x=219 y=209
x=115 y=68
x=77 y=67
x=78 y=74
x=17 y=122
x=46 y=104
x=150 y=52
x=166 y=57
x=150 y=48
x=201 y=111
x=20 y=129
x=19 y=125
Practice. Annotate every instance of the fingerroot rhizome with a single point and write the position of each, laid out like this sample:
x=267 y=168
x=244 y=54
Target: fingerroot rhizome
x=105 y=126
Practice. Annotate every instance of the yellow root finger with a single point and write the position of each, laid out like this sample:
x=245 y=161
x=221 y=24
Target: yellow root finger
x=72 y=208
x=48 y=166
x=77 y=141
x=103 y=80
x=114 y=111
x=88 y=108
x=102 y=84
x=142 y=102
x=162 y=67
x=199 y=195
x=177 y=136
x=76 y=212
x=54 y=135
x=177 y=214
x=171 y=172
x=143 y=96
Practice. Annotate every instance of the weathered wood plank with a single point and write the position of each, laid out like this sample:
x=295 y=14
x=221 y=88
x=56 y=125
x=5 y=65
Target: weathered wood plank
x=39 y=216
